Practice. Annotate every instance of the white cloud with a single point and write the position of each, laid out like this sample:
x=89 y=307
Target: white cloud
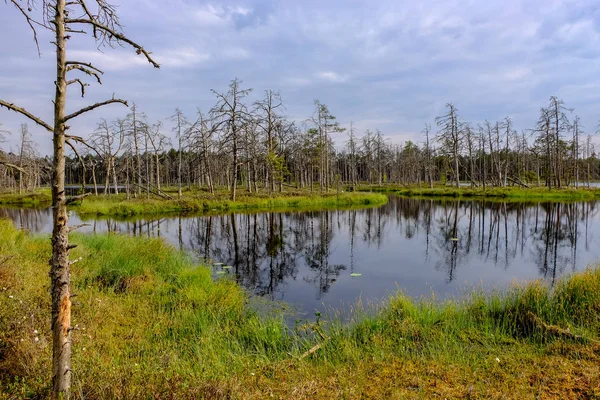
x=116 y=59
x=183 y=57
x=110 y=60
x=297 y=81
x=210 y=16
x=332 y=76
x=236 y=53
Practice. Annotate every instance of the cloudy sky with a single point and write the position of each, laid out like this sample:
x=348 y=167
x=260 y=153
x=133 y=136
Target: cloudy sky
x=388 y=65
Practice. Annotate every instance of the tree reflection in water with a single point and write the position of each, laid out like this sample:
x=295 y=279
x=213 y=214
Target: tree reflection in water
x=415 y=243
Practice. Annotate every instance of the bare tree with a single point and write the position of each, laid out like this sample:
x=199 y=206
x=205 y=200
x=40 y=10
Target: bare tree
x=65 y=19
x=268 y=120
x=232 y=114
x=26 y=150
x=181 y=130
x=159 y=143
x=428 y=166
x=577 y=131
x=559 y=123
x=450 y=137
x=136 y=129
x=108 y=140
x=325 y=123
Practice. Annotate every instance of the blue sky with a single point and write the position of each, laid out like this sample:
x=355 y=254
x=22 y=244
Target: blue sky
x=388 y=65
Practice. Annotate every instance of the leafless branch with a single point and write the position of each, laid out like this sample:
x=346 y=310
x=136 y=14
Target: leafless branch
x=26 y=113
x=30 y=21
x=85 y=64
x=114 y=34
x=78 y=156
x=86 y=68
x=83 y=85
x=93 y=107
x=79 y=139
x=13 y=166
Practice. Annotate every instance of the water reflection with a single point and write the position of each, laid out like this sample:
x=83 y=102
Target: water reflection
x=417 y=245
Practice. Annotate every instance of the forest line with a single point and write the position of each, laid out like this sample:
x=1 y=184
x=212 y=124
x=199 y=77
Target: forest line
x=253 y=144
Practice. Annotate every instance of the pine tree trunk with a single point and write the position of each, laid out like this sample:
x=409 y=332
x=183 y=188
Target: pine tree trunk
x=59 y=269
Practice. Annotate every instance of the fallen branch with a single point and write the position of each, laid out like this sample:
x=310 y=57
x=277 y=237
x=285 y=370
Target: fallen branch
x=74 y=227
x=518 y=182
x=13 y=166
x=314 y=348
x=555 y=330
x=75 y=260
x=156 y=191
x=74 y=199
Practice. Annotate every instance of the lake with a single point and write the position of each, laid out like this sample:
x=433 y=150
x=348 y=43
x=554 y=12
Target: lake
x=420 y=246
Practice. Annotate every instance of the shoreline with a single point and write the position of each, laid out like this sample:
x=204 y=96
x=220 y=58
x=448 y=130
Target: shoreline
x=497 y=193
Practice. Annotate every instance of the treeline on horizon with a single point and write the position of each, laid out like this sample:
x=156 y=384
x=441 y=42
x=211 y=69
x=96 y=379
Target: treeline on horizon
x=253 y=144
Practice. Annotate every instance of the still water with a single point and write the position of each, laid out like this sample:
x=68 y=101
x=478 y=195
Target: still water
x=422 y=247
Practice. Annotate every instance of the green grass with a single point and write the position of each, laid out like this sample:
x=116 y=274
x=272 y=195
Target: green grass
x=152 y=324
x=118 y=205
x=28 y=199
x=504 y=193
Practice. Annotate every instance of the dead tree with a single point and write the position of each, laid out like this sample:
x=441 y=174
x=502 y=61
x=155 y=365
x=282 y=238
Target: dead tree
x=25 y=151
x=232 y=114
x=450 y=137
x=108 y=140
x=65 y=19
x=181 y=130
x=158 y=142
x=428 y=167
x=268 y=121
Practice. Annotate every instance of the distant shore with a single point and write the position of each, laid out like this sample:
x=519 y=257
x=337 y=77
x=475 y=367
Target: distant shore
x=200 y=202
x=511 y=193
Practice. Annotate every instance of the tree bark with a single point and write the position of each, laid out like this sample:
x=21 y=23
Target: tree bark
x=59 y=270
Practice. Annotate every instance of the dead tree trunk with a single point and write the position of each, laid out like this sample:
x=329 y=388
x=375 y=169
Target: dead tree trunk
x=103 y=25
x=60 y=266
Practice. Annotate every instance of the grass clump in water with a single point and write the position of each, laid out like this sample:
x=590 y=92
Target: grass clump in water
x=201 y=202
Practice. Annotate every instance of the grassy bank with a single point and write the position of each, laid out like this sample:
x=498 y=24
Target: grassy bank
x=28 y=199
x=203 y=202
x=150 y=324
x=508 y=193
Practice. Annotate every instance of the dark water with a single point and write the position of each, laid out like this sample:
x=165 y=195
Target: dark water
x=306 y=258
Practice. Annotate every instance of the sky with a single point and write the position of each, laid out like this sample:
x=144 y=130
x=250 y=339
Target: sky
x=387 y=64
